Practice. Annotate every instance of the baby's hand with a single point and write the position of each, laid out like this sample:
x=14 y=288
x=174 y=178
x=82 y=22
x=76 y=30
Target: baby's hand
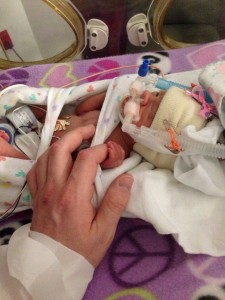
x=116 y=156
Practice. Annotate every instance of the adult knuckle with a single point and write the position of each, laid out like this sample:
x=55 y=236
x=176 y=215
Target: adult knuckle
x=65 y=198
x=48 y=192
x=85 y=154
x=55 y=148
x=115 y=205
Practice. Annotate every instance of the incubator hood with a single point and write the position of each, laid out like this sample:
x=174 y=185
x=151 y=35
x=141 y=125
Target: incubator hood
x=48 y=31
x=63 y=30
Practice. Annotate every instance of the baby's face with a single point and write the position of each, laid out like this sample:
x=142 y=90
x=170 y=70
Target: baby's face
x=148 y=107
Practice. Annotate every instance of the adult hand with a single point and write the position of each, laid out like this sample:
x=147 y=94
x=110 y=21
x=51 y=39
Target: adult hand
x=62 y=191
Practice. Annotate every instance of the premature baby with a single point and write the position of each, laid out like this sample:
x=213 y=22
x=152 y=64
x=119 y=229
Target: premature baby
x=173 y=106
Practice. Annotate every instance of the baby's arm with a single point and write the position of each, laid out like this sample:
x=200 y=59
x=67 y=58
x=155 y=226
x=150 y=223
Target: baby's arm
x=92 y=103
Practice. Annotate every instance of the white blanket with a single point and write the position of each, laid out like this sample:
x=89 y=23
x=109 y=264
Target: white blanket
x=189 y=203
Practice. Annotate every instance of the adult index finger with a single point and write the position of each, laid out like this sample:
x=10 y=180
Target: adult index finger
x=60 y=159
x=82 y=177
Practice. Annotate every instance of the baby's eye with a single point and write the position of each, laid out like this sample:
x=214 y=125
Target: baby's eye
x=156 y=94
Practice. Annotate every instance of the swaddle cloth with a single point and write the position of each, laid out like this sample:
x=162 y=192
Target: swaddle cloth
x=13 y=171
x=212 y=78
x=188 y=203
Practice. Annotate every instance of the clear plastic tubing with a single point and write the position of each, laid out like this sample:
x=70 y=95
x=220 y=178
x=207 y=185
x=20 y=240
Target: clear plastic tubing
x=164 y=84
x=189 y=146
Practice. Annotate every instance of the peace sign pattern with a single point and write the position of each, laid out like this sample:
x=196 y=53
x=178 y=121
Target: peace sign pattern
x=141 y=264
x=124 y=262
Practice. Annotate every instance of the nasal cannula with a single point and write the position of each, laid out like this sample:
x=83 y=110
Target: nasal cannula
x=132 y=106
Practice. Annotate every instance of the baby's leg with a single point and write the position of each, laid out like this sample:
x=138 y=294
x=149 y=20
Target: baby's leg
x=9 y=151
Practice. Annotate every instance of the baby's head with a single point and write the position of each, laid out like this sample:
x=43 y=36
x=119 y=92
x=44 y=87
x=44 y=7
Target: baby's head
x=148 y=107
x=173 y=105
x=176 y=108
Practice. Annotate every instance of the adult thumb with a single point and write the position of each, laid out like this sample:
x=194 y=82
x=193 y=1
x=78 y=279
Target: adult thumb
x=115 y=201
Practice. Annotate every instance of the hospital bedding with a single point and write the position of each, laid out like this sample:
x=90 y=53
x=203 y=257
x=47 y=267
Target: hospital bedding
x=141 y=264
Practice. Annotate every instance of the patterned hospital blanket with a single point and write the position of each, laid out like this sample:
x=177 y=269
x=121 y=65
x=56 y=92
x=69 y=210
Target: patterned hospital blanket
x=141 y=264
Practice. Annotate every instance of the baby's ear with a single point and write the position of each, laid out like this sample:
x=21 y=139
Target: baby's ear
x=91 y=103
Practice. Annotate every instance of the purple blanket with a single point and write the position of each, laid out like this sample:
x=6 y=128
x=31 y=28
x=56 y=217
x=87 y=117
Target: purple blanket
x=141 y=264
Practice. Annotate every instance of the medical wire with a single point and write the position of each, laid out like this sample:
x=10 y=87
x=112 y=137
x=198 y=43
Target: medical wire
x=109 y=70
x=8 y=213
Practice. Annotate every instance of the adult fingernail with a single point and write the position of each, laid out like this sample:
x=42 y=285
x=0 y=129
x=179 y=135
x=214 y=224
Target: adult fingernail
x=126 y=181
